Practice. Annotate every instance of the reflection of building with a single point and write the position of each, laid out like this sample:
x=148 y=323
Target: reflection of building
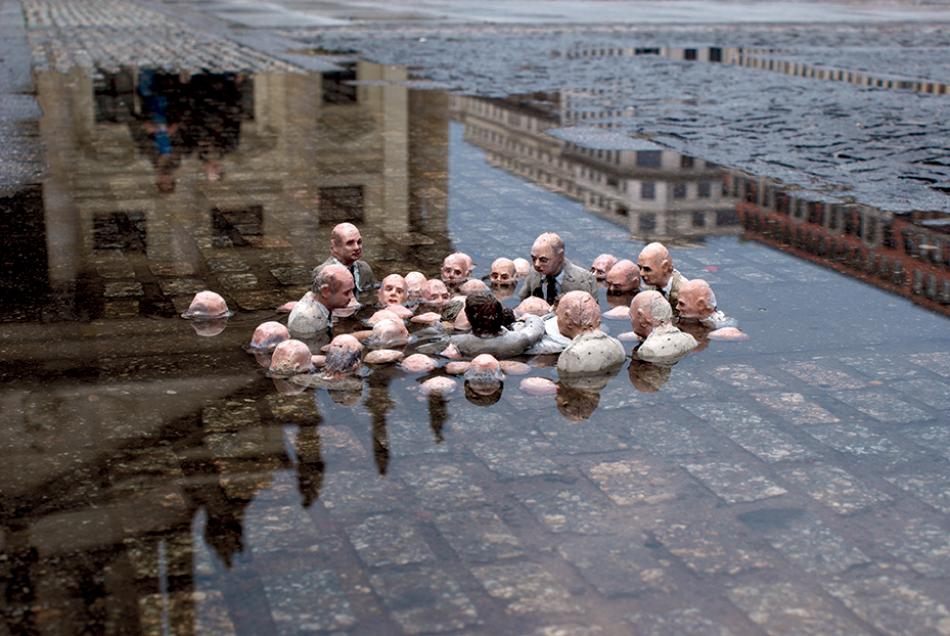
x=905 y=254
x=765 y=59
x=657 y=193
x=126 y=426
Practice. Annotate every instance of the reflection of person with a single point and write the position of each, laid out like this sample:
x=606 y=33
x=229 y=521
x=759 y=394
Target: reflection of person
x=656 y=268
x=346 y=248
x=553 y=274
x=652 y=318
x=591 y=350
x=576 y=404
x=332 y=289
x=647 y=377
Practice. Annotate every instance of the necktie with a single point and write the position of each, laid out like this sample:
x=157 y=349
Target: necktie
x=356 y=281
x=551 y=289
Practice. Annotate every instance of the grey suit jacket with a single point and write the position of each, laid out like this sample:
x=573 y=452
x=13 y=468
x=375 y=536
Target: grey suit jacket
x=366 y=279
x=575 y=279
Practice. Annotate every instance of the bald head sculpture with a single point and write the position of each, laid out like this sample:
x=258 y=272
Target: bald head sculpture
x=649 y=310
x=655 y=264
x=333 y=286
x=414 y=283
x=602 y=265
x=434 y=292
x=534 y=306
x=291 y=357
x=472 y=286
x=393 y=290
x=547 y=254
x=207 y=305
x=456 y=269
x=577 y=313
x=343 y=356
x=484 y=375
x=388 y=333
x=522 y=267
x=346 y=243
x=503 y=273
x=268 y=335
x=696 y=300
x=623 y=278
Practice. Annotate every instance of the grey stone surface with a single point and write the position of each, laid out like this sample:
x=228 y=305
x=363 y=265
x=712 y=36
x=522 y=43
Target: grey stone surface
x=425 y=600
x=795 y=408
x=788 y=608
x=356 y=492
x=386 y=541
x=834 y=487
x=734 y=483
x=563 y=510
x=525 y=588
x=750 y=431
x=712 y=548
x=444 y=486
x=617 y=568
x=478 y=536
x=932 y=488
x=822 y=375
x=893 y=605
x=816 y=548
x=307 y=601
x=861 y=442
x=883 y=407
x=676 y=622
x=922 y=544
x=636 y=481
x=515 y=456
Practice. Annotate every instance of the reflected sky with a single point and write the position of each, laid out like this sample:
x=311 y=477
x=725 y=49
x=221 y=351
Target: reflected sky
x=158 y=480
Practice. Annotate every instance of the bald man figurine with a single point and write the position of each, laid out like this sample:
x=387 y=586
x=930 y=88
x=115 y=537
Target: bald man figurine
x=346 y=248
x=652 y=319
x=553 y=274
x=332 y=289
x=591 y=350
x=656 y=269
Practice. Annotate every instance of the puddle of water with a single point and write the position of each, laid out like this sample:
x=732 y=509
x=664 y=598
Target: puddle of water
x=156 y=480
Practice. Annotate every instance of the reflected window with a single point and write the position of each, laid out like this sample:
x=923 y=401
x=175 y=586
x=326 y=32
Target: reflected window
x=649 y=158
x=234 y=226
x=715 y=54
x=679 y=191
x=727 y=217
x=647 y=222
x=648 y=190
x=699 y=219
x=689 y=54
x=704 y=190
x=126 y=231
x=340 y=204
x=686 y=162
x=337 y=87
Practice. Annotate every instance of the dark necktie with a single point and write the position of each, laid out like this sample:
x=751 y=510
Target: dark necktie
x=551 y=289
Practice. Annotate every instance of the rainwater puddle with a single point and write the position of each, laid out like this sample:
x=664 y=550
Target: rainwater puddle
x=158 y=481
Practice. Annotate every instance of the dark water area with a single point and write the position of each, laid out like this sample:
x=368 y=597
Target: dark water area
x=157 y=481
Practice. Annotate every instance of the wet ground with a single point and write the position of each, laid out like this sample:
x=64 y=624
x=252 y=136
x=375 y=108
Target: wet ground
x=157 y=481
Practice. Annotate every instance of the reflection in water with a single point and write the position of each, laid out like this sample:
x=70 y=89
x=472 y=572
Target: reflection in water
x=156 y=481
x=657 y=193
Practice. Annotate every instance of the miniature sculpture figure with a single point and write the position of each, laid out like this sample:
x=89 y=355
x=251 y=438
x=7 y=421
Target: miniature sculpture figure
x=553 y=274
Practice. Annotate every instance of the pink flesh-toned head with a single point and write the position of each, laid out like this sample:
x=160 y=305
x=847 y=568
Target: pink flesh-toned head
x=291 y=356
x=418 y=363
x=207 y=305
x=538 y=386
x=268 y=335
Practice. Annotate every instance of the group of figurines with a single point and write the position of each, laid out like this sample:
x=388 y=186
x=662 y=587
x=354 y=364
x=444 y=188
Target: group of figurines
x=331 y=338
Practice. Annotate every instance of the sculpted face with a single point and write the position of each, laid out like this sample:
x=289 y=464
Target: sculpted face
x=522 y=267
x=414 y=283
x=393 y=290
x=623 y=278
x=693 y=301
x=435 y=293
x=502 y=272
x=456 y=268
x=546 y=258
x=602 y=265
x=338 y=291
x=655 y=265
x=346 y=243
x=343 y=355
x=642 y=310
x=472 y=286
